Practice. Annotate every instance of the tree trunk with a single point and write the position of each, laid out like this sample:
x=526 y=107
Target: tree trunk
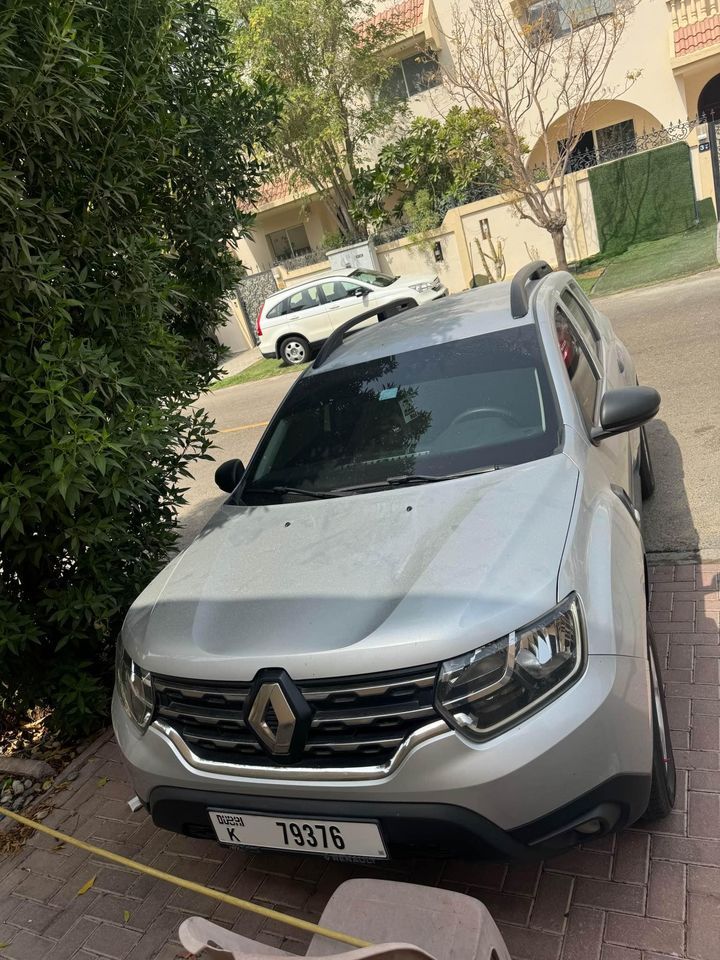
x=558 y=237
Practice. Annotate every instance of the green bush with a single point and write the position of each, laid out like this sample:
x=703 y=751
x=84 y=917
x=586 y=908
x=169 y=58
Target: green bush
x=127 y=155
x=454 y=162
x=643 y=197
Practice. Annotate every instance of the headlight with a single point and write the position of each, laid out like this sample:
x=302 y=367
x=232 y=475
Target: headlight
x=493 y=688
x=134 y=687
x=421 y=287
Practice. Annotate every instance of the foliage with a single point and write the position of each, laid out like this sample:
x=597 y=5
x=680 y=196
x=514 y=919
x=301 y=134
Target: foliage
x=126 y=155
x=333 y=240
x=643 y=197
x=328 y=56
x=534 y=78
x=452 y=162
x=420 y=214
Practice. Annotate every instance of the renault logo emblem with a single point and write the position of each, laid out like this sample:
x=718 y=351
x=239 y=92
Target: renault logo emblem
x=272 y=719
x=278 y=715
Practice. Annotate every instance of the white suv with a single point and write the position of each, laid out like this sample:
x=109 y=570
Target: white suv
x=419 y=621
x=294 y=322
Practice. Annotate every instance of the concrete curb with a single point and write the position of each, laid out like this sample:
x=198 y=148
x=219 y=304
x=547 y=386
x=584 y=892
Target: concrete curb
x=241 y=362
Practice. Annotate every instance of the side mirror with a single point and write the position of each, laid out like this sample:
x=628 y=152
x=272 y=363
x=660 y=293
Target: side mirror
x=626 y=409
x=229 y=474
x=359 y=292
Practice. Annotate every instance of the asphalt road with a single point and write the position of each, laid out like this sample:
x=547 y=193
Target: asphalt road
x=672 y=330
x=241 y=414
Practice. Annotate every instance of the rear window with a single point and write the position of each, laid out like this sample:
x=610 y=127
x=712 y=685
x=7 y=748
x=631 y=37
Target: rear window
x=294 y=303
x=278 y=310
x=447 y=408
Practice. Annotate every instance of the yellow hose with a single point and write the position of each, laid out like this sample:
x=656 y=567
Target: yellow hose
x=186 y=884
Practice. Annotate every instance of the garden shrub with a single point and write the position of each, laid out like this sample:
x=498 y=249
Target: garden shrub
x=127 y=159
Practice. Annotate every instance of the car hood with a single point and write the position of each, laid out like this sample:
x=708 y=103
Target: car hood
x=359 y=584
x=406 y=281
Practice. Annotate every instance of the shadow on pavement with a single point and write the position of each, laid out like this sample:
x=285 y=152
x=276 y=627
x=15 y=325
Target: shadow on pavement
x=667 y=519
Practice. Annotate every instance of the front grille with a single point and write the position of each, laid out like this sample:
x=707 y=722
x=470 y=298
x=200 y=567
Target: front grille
x=356 y=721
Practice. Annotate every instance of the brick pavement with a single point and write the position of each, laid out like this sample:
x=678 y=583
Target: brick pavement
x=648 y=894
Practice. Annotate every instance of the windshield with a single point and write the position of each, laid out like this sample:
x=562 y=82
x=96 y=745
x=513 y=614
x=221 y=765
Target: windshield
x=372 y=276
x=449 y=408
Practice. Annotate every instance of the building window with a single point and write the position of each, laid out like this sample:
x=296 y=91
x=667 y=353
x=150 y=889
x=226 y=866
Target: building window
x=412 y=75
x=288 y=243
x=617 y=140
x=601 y=145
x=582 y=156
x=555 y=18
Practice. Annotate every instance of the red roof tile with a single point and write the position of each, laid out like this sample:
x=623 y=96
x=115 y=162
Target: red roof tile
x=698 y=35
x=276 y=190
x=406 y=13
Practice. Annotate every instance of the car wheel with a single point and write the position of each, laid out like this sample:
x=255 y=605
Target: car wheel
x=647 y=474
x=664 y=777
x=295 y=350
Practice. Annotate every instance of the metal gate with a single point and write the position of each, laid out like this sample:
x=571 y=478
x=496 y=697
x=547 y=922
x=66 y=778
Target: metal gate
x=714 y=140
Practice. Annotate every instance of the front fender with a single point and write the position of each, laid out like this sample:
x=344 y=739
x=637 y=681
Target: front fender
x=604 y=561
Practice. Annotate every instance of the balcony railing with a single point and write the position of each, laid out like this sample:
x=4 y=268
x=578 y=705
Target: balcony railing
x=685 y=13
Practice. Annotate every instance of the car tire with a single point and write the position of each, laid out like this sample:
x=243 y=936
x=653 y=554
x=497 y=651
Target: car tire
x=295 y=350
x=647 y=474
x=664 y=776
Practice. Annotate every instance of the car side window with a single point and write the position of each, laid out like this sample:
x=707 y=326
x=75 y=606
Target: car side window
x=303 y=300
x=351 y=288
x=336 y=290
x=583 y=378
x=332 y=291
x=279 y=310
x=582 y=321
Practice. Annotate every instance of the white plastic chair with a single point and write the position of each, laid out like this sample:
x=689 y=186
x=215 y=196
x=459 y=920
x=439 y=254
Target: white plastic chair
x=404 y=921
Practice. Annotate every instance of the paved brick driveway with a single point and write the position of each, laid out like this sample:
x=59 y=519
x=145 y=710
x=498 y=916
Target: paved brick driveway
x=645 y=895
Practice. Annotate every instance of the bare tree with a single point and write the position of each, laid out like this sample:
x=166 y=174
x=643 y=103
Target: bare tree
x=532 y=73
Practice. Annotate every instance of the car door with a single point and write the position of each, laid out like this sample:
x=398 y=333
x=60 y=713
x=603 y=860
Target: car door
x=346 y=299
x=306 y=313
x=586 y=352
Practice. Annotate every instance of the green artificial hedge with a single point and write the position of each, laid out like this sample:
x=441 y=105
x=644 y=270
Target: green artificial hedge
x=643 y=197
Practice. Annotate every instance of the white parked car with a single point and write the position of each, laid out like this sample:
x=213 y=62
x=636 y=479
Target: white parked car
x=292 y=323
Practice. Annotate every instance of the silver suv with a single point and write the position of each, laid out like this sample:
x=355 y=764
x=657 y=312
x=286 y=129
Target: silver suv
x=419 y=621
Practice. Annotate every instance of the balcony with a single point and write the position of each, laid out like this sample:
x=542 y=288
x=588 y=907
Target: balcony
x=547 y=19
x=695 y=29
x=419 y=28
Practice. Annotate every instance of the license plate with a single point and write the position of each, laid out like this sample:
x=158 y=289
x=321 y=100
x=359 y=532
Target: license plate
x=330 y=838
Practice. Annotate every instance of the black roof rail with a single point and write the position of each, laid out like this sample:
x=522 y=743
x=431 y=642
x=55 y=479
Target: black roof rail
x=337 y=337
x=519 y=289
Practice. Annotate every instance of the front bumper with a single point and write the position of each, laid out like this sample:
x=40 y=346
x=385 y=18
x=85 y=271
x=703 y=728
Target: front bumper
x=592 y=746
x=436 y=829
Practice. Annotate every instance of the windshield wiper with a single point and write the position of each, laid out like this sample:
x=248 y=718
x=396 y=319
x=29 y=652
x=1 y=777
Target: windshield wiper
x=301 y=491
x=413 y=479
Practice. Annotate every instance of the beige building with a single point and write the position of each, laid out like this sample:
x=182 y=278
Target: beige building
x=673 y=44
